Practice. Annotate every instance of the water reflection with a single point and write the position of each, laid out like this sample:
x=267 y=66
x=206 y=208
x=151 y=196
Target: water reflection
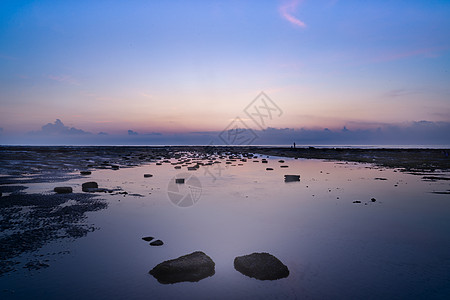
x=396 y=246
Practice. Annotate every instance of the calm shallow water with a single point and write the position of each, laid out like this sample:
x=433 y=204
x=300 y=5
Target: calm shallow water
x=396 y=247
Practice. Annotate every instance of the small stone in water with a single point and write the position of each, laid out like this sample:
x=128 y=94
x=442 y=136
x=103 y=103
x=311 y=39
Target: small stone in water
x=157 y=243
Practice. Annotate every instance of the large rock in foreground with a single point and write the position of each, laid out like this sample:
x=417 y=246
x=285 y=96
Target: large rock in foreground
x=263 y=266
x=192 y=267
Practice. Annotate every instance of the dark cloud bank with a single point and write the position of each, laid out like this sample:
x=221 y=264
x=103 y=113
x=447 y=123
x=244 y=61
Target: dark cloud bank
x=415 y=133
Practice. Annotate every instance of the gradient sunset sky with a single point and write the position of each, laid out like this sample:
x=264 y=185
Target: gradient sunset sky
x=174 y=67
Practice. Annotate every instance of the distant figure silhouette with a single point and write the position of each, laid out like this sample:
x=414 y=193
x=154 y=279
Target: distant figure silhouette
x=294 y=144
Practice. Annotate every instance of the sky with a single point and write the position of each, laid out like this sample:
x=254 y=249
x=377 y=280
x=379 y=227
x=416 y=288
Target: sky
x=184 y=72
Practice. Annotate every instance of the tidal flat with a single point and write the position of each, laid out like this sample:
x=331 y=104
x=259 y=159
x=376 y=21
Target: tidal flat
x=356 y=223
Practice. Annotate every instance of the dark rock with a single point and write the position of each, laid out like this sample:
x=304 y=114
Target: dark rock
x=434 y=192
x=179 y=180
x=380 y=178
x=85 y=172
x=157 y=243
x=63 y=189
x=290 y=178
x=435 y=178
x=177 y=167
x=115 y=167
x=148 y=238
x=192 y=169
x=97 y=190
x=192 y=267
x=89 y=185
x=281 y=161
x=284 y=166
x=262 y=266
x=373 y=200
x=136 y=195
x=269 y=169
x=356 y=201
x=148 y=175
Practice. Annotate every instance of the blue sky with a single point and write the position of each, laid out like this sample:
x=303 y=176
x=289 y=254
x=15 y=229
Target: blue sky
x=177 y=67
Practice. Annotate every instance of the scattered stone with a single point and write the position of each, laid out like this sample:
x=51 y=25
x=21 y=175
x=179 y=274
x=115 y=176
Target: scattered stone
x=177 y=167
x=157 y=243
x=179 y=180
x=281 y=161
x=158 y=164
x=356 y=201
x=148 y=238
x=85 y=172
x=380 y=178
x=373 y=200
x=262 y=266
x=148 y=175
x=435 y=178
x=284 y=166
x=192 y=169
x=290 y=178
x=89 y=185
x=434 y=192
x=136 y=195
x=115 y=167
x=192 y=267
x=63 y=189
x=98 y=190
x=269 y=169
x=264 y=161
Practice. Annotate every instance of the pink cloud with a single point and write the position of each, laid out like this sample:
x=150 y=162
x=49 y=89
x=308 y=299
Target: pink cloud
x=286 y=11
x=64 y=78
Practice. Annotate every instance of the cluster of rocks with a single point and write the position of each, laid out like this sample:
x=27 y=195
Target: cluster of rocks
x=152 y=241
x=87 y=187
x=196 y=266
x=373 y=200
